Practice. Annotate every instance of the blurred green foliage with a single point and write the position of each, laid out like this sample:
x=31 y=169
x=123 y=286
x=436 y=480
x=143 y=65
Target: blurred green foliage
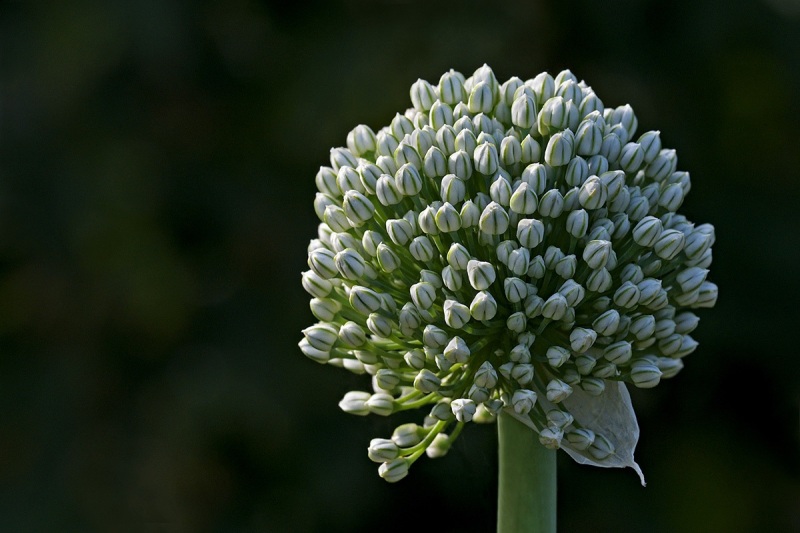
x=156 y=186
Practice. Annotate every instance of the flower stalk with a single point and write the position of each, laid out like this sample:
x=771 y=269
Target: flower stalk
x=526 y=498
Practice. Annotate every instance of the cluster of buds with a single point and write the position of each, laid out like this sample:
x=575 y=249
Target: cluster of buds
x=502 y=246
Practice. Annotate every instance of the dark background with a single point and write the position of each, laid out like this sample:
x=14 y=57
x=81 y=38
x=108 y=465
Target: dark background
x=157 y=164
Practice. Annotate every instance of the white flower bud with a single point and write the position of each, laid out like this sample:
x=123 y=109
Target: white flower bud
x=588 y=139
x=647 y=231
x=394 y=470
x=422 y=249
x=577 y=223
x=451 y=88
x=423 y=295
x=669 y=244
x=316 y=285
x=593 y=193
x=466 y=141
x=573 y=292
x=686 y=322
x=707 y=295
x=520 y=353
x=631 y=157
x=382 y=450
x=481 y=274
x=601 y=448
x=320 y=356
x=460 y=164
x=522 y=373
x=531 y=151
x=523 y=111
x=426 y=381
x=515 y=289
x=555 y=307
x=341 y=157
x=596 y=253
x=530 y=232
x=551 y=204
x=355 y=403
x=606 y=324
x=618 y=353
x=500 y=191
x=580 y=438
x=557 y=356
x=560 y=148
x=463 y=409
x=551 y=437
x=494 y=219
x=557 y=390
x=350 y=264
x=321 y=336
x=364 y=300
x=600 y=280
x=581 y=339
x=517 y=322
x=523 y=400
x=645 y=375
x=381 y=404
x=388 y=260
x=553 y=116
x=481 y=98
x=386 y=379
x=456 y=314
x=669 y=367
x=347 y=179
x=662 y=166
x=566 y=266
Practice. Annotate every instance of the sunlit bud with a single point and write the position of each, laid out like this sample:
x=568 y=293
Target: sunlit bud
x=388 y=260
x=551 y=437
x=460 y=164
x=478 y=394
x=651 y=145
x=557 y=356
x=364 y=300
x=522 y=373
x=618 y=353
x=553 y=116
x=581 y=339
x=458 y=257
x=483 y=306
x=593 y=193
x=535 y=175
x=435 y=163
x=523 y=111
x=350 y=264
x=386 y=379
x=422 y=249
x=647 y=231
x=601 y=448
x=456 y=314
x=407 y=180
x=316 y=285
x=382 y=450
x=481 y=274
x=557 y=390
x=457 y=350
x=543 y=87
x=515 y=290
x=482 y=123
x=407 y=435
x=530 y=232
x=524 y=200
x=463 y=409
x=500 y=191
x=686 y=322
x=386 y=191
x=645 y=374
x=447 y=218
x=327 y=183
x=560 y=148
x=551 y=204
x=531 y=150
x=567 y=266
x=341 y=157
x=466 y=141
x=355 y=403
x=552 y=256
x=381 y=404
x=336 y=218
x=597 y=164
x=426 y=381
x=319 y=356
x=321 y=261
x=481 y=98
x=352 y=335
x=523 y=400
x=573 y=292
x=508 y=89
x=517 y=322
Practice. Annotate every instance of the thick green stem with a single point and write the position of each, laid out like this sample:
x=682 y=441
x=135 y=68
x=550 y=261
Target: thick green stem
x=526 y=500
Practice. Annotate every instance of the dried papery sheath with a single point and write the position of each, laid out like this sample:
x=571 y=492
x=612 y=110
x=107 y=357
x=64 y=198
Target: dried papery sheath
x=504 y=246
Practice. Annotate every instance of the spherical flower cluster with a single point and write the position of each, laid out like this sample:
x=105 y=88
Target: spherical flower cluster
x=502 y=246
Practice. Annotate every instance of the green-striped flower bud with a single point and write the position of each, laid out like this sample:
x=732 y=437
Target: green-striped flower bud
x=463 y=409
x=551 y=204
x=557 y=356
x=577 y=223
x=581 y=339
x=593 y=193
x=522 y=373
x=551 y=437
x=560 y=148
x=382 y=450
x=523 y=200
x=530 y=232
x=523 y=400
x=618 y=353
x=645 y=375
x=558 y=390
x=355 y=403
x=601 y=448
